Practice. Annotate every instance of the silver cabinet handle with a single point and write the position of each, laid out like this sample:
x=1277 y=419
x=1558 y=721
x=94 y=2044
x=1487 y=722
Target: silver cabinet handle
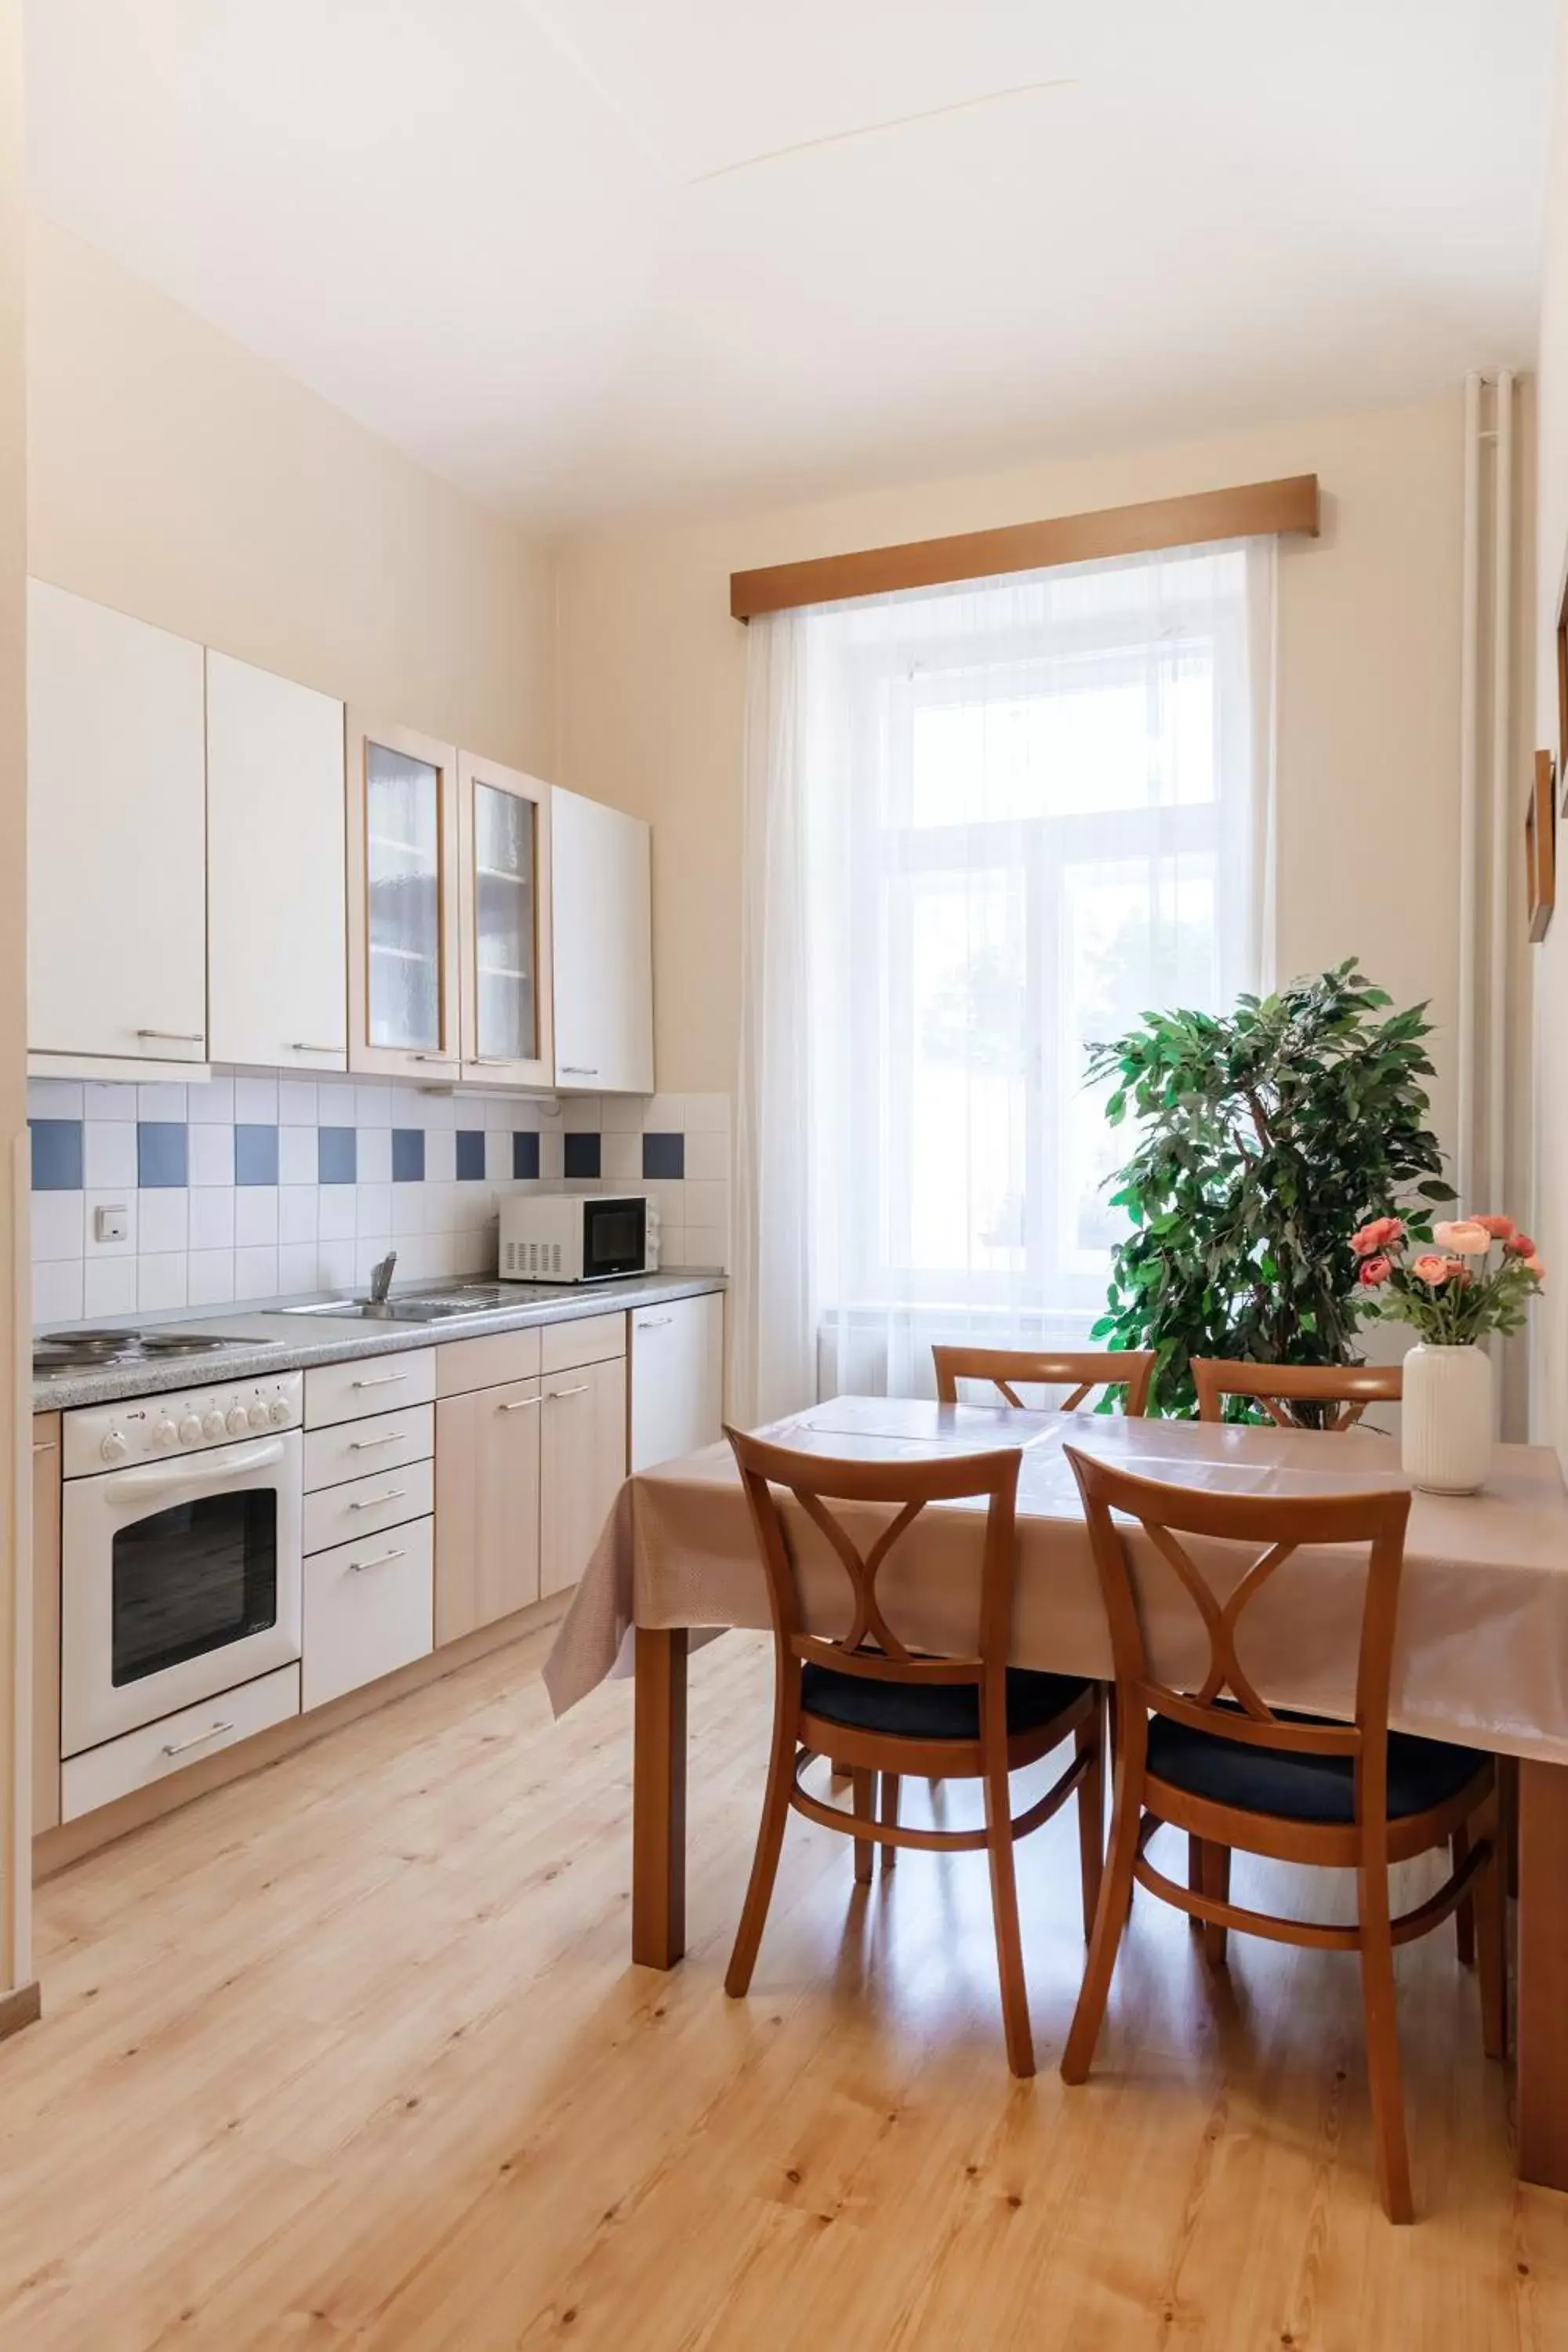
x=523 y=1404
x=299 y=1045
x=176 y=1037
x=197 y=1739
x=448 y=1061
x=367 y=1444
x=654 y=1322
x=374 y=1502
x=493 y=1060
x=379 y=1380
x=581 y=1390
x=45 y=1445
x=578 y=1070
x=381 y=1559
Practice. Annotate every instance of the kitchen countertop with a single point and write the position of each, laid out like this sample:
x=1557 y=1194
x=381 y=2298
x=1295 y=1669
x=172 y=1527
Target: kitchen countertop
x=277 y=1341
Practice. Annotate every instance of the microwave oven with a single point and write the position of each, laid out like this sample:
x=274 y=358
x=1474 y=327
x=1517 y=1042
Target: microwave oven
x=578 y=1236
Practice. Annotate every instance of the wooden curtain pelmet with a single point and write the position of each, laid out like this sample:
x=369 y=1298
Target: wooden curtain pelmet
x=1250 y=510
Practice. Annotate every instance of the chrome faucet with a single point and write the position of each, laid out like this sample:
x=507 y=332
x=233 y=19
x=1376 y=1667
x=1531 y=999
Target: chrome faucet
x=380 y=1278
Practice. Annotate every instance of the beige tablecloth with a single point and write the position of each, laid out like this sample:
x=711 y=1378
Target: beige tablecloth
x=1482 y=1650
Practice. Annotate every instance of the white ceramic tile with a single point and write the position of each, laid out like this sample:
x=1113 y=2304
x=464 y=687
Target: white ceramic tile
x=373 y=1159
x=297 y=1100
x=210 y=1277
x=296 y=1267
x=53 y=1098
x=665 y=1115
x=116 y=1197
x=104 y=1099
x=109 y=1287
x=335 y=1265
x=434 y=1113
x=256 y=1272
x=211 y=1155
x=373 y=1211
x=297 y=1213
x=440 y=1156
x=165 y=1102
x=620 y=1159
x=298 y=1155
x=672 y=1242
x=498 y=1155
x=57 y=1291
x=336 y=1103
x=706 y=1115
x=623 y=1114
x=335 y=1212
x=550 y=1156
x=256 y=1102
x=56 y=1226
x=373 y=1103
x=706 y=1203
x=417 y=1258
x=212 y=1218
x=477 y=1250
x=255 y=1215
x=581 y=1113
x=524 y=1113
x=707 y=1155
x=163 y=1221
x=162 y=1281
x=212 y=1105
x=671 y=1201
x=445 y=1253
x=497 y=1112
x=706 y=1246
x=407 y=1208
x=369 y=1251
x=109 y=1152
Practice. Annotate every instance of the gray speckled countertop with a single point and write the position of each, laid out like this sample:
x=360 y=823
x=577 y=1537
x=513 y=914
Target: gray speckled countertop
x=276 y=1342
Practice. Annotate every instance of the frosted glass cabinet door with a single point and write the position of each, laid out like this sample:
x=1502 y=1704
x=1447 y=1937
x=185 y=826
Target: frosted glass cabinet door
x=503 y=828
x=402 y=901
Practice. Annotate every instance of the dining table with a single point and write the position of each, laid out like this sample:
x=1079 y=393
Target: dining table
x=1480 y=1657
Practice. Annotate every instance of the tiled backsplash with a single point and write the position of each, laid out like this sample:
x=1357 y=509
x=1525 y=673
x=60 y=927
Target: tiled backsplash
x=249 y=1187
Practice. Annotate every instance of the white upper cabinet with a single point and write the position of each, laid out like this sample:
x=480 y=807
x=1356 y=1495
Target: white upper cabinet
x=278 y=977
x=600 y=886
x=503 y=851
x=404 y=920
x=116 y=836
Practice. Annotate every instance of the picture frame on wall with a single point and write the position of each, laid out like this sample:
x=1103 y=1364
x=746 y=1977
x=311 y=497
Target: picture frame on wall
x=1540 y=846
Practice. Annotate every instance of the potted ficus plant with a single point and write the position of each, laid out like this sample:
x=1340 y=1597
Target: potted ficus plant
x=1478 y=1275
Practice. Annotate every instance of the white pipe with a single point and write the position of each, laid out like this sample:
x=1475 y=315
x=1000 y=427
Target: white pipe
x=1501 y=848
x=1469 y=664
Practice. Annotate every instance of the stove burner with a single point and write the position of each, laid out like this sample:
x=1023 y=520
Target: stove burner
x=86 y=1351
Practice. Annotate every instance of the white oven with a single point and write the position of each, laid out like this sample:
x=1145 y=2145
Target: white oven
x=180 y=1566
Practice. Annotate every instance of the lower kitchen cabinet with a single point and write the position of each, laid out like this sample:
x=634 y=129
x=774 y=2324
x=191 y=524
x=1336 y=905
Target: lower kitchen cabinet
x=45 y=1621
x=582 y=1460
x=678 y=1378
x=367 y=1610
x=487 y=1506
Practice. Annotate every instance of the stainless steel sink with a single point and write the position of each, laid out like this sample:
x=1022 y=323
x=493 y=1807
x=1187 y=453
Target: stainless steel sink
x=428 y=1306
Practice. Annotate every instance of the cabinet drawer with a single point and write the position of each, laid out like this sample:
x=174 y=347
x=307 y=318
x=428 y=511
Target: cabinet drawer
x=592 y=1339
x=368 y=1385
x=369 y=1609
x=337 y=1515
x=154 y=1750
x=360 y=1449
x=463 y=1365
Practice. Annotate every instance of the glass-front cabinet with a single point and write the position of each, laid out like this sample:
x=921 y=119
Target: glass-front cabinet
x=503 y=834
x=404 y=915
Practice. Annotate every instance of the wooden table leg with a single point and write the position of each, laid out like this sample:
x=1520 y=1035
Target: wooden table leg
x=658 y=1800
x=1542 y=2038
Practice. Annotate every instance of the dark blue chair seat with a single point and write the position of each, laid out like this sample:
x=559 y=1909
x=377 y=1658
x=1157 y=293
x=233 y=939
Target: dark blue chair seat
x=932 y=1711
x=1321 y=1788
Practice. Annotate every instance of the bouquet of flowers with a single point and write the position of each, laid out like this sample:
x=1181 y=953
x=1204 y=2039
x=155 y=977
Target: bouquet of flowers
x=1479 y=1276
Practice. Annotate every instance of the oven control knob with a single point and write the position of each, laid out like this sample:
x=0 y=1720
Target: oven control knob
x=191 y=1430
x=257 y=1415
x=214 y=1423
x=114 y=1448
x=165 y=1434
x=238 y=1421
x=278 y=1413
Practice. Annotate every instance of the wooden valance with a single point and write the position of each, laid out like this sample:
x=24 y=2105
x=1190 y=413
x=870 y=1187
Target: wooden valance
x=1248 y=512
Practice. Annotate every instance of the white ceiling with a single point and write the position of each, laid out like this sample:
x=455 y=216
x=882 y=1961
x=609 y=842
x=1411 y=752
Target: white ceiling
x=584 y=255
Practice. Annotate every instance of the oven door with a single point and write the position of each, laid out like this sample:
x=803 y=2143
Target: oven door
x=615 y=1235
x=178 y=1580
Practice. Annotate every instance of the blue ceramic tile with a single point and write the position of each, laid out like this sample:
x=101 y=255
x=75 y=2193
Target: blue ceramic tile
x=408 y=1155
x=470 y=1155
x=337 y=1154
x=664 y=1155
x=162 y=1157
x=256 y=1155
x=56 y=1155
x=524 y=1151
x=581 y=1155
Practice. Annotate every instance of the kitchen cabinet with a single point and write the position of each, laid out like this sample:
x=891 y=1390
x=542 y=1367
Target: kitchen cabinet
x=487 y=1506
x=504 y=917
x=582 y=1462
x=116 y=842
x=602 y=925
x=677 y=1378
x=367 y=1610
x=277 y=968
x=404 y=916
x=45 y=1621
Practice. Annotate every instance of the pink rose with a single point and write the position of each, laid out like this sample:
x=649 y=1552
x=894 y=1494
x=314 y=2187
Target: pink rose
x=1432 y=1270
x=1499 y=1228
x=1467 y=1234
x=1520 y=1246
x=1377 y=1236
x=1372 y=1271
x=1532 y=1266
x=1460 y=1273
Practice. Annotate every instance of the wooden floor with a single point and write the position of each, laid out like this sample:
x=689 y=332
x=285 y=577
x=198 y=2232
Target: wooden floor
x=350 y=2054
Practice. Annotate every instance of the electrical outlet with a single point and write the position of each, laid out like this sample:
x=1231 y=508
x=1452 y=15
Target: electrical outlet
x=112 y=1224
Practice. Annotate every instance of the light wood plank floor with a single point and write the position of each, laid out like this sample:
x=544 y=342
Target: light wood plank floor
x=350 y=2054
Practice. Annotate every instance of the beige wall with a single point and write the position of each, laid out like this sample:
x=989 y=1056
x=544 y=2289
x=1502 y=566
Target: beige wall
x=653 y=671
x=173 y=474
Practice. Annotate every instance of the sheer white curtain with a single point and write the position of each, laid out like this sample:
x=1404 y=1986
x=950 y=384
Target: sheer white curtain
x=985 y=826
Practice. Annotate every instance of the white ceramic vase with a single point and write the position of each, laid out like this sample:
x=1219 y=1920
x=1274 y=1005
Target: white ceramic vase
x=1446 y=1419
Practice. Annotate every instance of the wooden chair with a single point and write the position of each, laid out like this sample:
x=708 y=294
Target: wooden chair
x=876 y=1706
x=1352 y=1387
x=1077 y=1369
x=1234 y=1771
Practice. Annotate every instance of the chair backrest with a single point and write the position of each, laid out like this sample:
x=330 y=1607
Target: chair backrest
x=872 y=1647
x=1077 y=1369
x=1282 y=1526
x=1351 y=1387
